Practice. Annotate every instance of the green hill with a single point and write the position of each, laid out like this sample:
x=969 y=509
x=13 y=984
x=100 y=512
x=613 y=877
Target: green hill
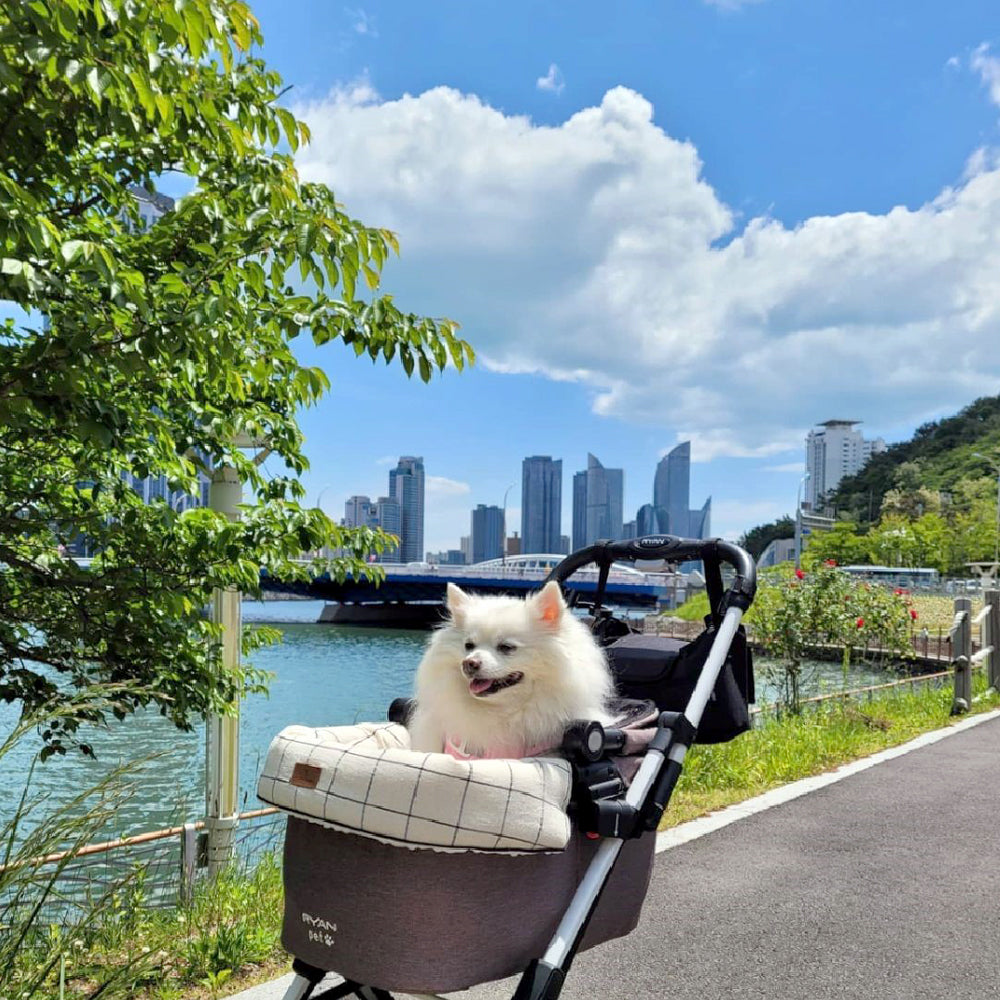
x=938 y=456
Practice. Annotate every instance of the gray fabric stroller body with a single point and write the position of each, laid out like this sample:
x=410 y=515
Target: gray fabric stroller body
x=391 y=856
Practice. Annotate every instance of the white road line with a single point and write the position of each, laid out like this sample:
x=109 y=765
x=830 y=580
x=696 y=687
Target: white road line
x=716 y=821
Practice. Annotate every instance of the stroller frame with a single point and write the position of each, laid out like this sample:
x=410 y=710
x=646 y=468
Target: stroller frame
x=619 y=817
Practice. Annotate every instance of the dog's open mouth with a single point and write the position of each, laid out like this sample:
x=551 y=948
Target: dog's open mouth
x=482 y=686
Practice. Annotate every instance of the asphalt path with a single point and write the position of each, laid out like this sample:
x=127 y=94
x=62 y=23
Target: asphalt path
x=883 y=885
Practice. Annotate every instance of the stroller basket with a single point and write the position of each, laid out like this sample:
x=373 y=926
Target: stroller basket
x=388 y=850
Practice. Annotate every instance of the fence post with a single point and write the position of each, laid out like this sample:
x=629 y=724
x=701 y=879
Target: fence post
x=189 y=860
x=991 y=636
x=961 y=651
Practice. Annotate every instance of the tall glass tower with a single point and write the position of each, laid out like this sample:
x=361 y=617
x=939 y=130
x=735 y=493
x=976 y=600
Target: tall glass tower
x=598 y=498
x=406 y=485
x=672 y=488
x=541 y=504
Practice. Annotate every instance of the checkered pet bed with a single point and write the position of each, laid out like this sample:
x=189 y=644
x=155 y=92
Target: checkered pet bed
x=364 y=779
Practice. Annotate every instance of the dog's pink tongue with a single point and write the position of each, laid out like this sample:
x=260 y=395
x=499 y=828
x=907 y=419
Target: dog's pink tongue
x=479 y=684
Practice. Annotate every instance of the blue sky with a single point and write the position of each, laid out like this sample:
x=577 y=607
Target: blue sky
x=655 y=221
x=723 y=221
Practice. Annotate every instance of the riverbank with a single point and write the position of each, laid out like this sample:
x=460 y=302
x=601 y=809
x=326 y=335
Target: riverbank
x=227 y=939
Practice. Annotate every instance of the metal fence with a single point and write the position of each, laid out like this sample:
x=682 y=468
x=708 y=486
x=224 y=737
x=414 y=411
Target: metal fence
x=155 y=869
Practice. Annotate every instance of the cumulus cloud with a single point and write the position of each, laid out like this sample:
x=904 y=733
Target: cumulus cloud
x=595 y=251
x=552 y=81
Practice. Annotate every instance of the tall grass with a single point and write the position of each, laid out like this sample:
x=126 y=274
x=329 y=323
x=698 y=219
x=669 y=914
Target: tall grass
x=41 y=927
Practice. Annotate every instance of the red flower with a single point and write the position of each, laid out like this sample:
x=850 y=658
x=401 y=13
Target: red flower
x=897 y=591
x=800 y=574
x=913 y=613
x=830 y=562
x=860 y=623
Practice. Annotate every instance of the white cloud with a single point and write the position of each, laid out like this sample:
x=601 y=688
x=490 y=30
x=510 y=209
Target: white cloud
x=988 y=68
x=553 y=80
x=440 y=486
x=788 y=467
x=594 y=251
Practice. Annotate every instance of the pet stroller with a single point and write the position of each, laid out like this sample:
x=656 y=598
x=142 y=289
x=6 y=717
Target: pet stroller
x=388 y=851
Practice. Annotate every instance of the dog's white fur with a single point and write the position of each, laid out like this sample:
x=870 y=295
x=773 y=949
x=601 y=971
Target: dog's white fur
x=565 y=676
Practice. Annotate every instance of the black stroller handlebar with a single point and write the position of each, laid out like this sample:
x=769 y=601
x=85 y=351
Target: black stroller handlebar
x=673 y=549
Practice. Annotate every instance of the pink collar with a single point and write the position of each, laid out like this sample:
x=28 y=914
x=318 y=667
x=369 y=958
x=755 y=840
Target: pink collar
x=500 y=753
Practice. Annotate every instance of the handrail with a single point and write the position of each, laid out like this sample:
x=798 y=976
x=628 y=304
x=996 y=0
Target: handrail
x=138 y=838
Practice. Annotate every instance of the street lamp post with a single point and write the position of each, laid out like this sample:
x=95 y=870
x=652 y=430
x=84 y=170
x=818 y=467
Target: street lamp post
x=798 y=520
x=503 y=529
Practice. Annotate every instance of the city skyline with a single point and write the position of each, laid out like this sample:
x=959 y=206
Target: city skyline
x=597 y=510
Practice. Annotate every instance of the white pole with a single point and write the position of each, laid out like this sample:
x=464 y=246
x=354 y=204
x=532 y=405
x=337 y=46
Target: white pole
x=222 y=733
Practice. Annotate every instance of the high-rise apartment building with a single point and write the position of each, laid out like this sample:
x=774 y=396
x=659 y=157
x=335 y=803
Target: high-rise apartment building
x=487 y=533
x=834 y=450
x=598 y=499
x=360 y=512
x=406 y=485
x=541 y=504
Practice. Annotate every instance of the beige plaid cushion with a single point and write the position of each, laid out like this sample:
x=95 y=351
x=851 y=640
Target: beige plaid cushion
x=364 y=779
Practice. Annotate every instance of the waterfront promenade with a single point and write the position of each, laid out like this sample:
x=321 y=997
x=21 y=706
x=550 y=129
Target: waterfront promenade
x=883 y=884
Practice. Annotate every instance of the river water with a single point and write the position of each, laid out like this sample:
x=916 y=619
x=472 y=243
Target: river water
x=324 y=675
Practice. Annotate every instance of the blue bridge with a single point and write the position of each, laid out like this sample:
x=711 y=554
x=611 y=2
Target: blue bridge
x=413 y=594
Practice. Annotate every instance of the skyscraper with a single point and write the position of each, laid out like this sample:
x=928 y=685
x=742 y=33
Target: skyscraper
x=406 y=485
x=700 y=521
x=579 y=509
x=358 y=512
x=487 y=533
x=670 y=512
x=598 y=495
x=386 y=513
x=541 y=504
x=832 y=452
x=672 y=490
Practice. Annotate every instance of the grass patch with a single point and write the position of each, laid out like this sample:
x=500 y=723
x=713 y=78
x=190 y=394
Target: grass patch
x=785 y=748
x=226 y=939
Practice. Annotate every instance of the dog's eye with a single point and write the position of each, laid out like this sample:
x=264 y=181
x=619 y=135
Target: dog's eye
x=469 y=646
x=506 y=647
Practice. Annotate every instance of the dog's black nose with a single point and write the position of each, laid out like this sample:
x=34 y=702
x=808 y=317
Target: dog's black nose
x=471 y=666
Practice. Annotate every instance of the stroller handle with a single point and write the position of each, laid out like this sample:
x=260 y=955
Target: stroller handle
x=674 y=549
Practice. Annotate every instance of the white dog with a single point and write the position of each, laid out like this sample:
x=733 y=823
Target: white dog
x=503 y=677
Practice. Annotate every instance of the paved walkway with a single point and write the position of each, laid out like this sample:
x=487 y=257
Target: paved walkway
x=883 y=885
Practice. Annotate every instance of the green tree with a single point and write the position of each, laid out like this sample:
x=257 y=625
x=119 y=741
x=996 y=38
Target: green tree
x=842 y=544
x=151 y=351
x=757 y=539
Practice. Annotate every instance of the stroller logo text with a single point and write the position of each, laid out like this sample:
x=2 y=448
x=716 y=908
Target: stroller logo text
x=320 y=930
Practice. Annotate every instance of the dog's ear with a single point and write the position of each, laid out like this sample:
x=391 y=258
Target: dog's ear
x=549 y=604
x=455 y=600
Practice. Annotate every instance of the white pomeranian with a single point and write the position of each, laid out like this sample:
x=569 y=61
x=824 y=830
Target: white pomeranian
x=503 y=677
